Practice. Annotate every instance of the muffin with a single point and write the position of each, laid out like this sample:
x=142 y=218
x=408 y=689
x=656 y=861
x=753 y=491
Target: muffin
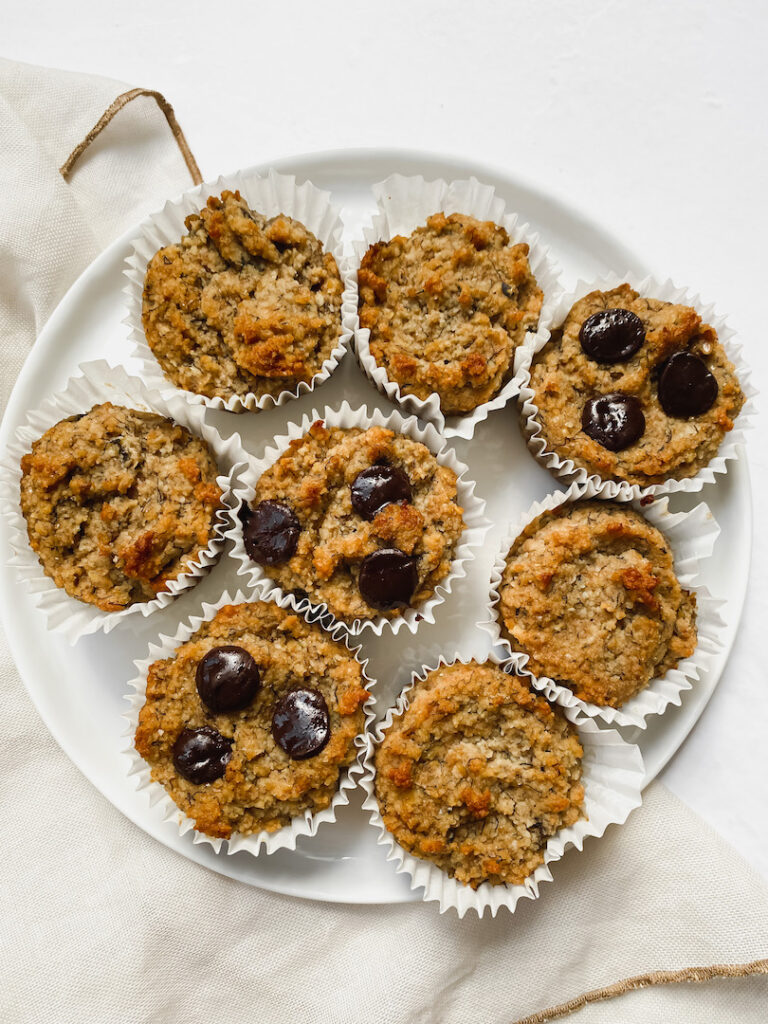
x=589 y=593
x=447 y=307
x=118 y=503
x=634 y=388
x=243 y=304
x=363 y=521
x=253 y=720
x=478 y=773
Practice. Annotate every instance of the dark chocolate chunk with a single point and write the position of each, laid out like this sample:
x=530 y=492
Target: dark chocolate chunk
x=227 y=678
x=270 y=532
x=301 y=724
x=388 y=578
x=378 y=486
x=686 y=386
x=612 y=335
x=615 y=421
x=201 y=755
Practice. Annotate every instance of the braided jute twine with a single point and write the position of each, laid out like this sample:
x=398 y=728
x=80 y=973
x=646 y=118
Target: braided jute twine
x=620 y=988
x=115 y=107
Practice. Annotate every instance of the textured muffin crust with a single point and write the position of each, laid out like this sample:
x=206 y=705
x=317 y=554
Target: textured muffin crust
x=447 y=307
x=564 y=379
x=118 y=502
x=262 y=787
x=242 y=303
x=589 y=593
x=314 y=477
x=478 y=773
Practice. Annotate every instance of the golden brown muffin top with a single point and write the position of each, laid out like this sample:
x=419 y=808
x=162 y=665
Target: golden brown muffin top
x=478 y=773
x=447 y=306
x=589 y=593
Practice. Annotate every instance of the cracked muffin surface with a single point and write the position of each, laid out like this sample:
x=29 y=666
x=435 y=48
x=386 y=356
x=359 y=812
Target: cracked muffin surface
x=336 y=541
x=664 y=445
x=589 y=593
x=118 y=502
x=446 y=307
x=243 y=303
x=260 y=786
x=478 y=773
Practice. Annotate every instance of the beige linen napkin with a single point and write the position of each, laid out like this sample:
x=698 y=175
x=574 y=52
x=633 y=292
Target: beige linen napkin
x=100 y=923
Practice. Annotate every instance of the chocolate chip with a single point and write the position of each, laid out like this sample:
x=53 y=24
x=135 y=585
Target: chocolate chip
x=686 y=386
x=301 y=724
x=270 y=532
x=378 y=486
x=507 y=290
x=612 y=335
x=615 y=421
x=244 y=513
x=227 y=678
x=388 y=578
x=201 y=755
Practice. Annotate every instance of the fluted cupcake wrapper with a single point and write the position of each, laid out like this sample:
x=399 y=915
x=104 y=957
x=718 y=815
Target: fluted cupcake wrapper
x=692 y=537
x=530 y=419
x=98 y=382
x=612 y=776
x=270 y=195
x=346 y=417
x=305 y=824
x=405 y=203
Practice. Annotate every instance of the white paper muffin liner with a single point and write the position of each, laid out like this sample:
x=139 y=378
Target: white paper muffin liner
x=269 y=195
x=692 y=537
x=346 y=417
x=99 y=382
x=405 y=203
x=613 y=776
x=305 y=824
x=667 y=291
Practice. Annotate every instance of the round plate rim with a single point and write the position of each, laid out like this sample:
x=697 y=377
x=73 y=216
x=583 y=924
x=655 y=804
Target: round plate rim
x=300 y=164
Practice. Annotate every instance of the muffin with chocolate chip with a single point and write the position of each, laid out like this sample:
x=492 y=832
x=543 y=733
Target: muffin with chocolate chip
x=243 y=304
x=589 y=593
x=478 y=774
x=118 y=503
x=253 y=720
x=447 y=307
x=365 y=522
x=634 y=388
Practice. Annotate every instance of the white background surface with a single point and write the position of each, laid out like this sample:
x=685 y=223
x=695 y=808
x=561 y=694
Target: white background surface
x=647 y=117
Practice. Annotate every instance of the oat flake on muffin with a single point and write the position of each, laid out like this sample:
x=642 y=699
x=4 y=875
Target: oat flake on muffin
x=446 y=307
x=634 y=388
x=118 y=502
x=253 y=720
x=478 y=773
x=363 y=521
x=589 y=593
x=242 y=304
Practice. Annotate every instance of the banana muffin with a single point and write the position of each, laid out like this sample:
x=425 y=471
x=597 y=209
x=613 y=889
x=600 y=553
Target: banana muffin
x=253 y=720
x=447 y=307
x=243 y=303
x=118 y=502
x=478 y=774
x=589 y=593
x=633 y=388
x=363 y=521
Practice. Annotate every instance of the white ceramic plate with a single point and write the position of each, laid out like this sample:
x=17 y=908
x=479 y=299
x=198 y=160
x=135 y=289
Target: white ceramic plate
x=79 y=692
